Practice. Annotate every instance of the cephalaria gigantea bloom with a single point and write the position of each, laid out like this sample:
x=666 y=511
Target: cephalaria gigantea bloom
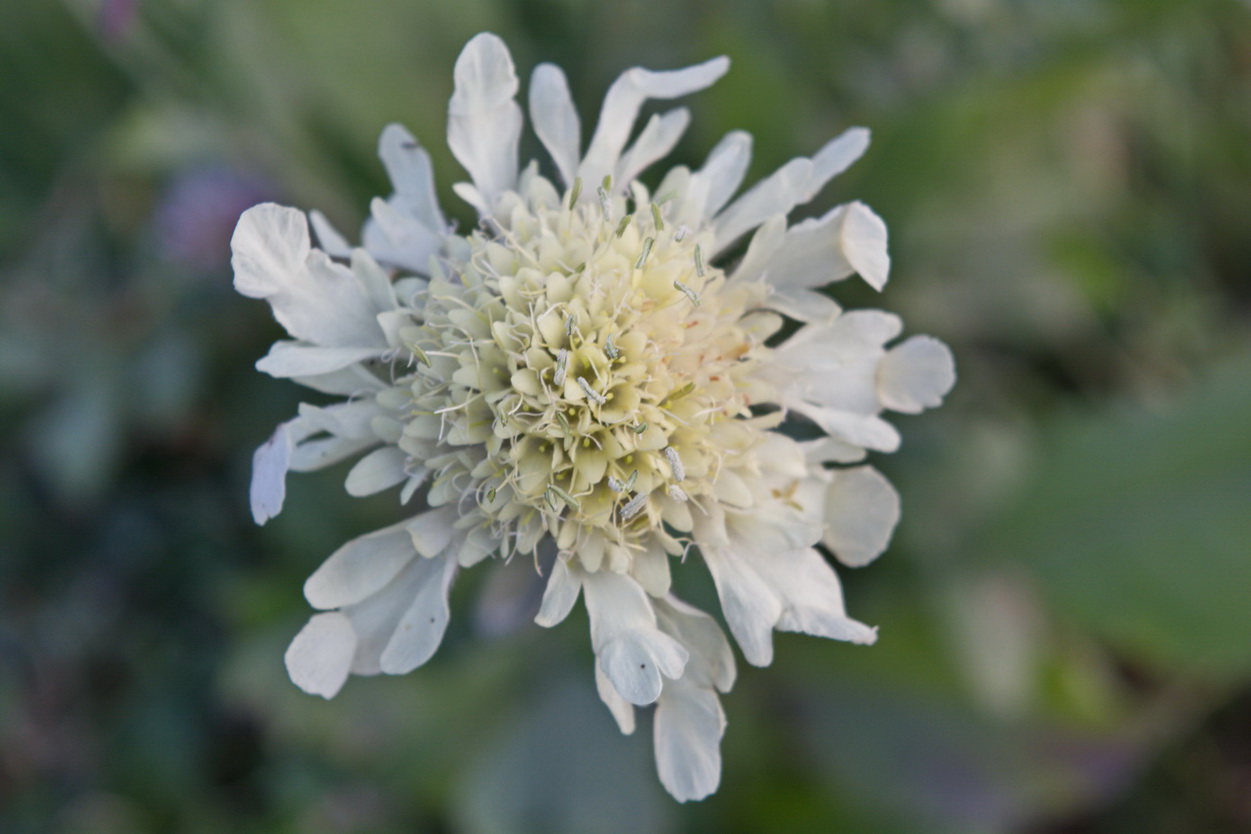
x=583 y=380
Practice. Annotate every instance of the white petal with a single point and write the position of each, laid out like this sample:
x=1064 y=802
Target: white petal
x=397 y=239
x=634 y=661
x=777 y=194
x=724 y=170
x=360 y=568
x=352 y=419
x=689 y=719
x=788 y=590
x=804 y=305
x=374 y=279
x=621 y=709
x=377 y=617
x=813 y=598
x=319 y=453
x=320 y=656
x=848 y=239
x=420 y=631
x=837 y=156
x=687 y=736
x=555 y=119
x=861 y=511
x=351 y=381
x=313 y=297
x=621 y=108
x=380 y=469
x=631 y=650
x=750 y=607
x=560 y=595
x=408 y=166
x=765 y=245
x=287 y=359
x=865 y=430
x=712 y=660
x=795 y=183
x=863 y=240
x=270 y=465
x=432 y=532
x=328 y=237
x=650 y=568
x=831 y=450
x=655 y=142
x=484 y=122
x=916 y=375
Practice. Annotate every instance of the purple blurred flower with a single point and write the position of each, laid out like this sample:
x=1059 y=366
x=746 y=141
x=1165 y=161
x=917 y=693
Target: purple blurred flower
x=117 y=18
x=197 y=213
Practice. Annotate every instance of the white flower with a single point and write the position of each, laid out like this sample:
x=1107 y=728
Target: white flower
x=585 y=369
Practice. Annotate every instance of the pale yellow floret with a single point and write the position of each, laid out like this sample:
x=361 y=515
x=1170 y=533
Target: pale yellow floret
x=580 y=366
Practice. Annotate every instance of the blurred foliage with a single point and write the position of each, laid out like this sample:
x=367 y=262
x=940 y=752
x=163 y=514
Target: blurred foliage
x=1066 y=610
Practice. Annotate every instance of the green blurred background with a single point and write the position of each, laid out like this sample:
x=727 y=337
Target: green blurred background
x=1065 y=612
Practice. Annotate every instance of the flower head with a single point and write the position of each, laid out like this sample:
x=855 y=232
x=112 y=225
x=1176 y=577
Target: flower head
x=584 y=374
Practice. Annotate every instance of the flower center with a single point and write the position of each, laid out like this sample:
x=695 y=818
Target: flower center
x=592 y=368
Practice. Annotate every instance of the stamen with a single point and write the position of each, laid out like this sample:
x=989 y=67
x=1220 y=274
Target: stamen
x=632 y=507
x=699 y=261
x=420 y=354
x=675 y=463
x=677 y=394
x=562 y=366
x=647 y=248
x=687 y=291
x=564 y=496
x=591 y=392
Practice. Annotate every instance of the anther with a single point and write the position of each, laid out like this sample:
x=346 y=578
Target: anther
x=610 y=348
x=420 y=355
x=562 y=366
x=675 y=463
x=640 y=428
x=687 y=291
x=591 y=392
x=647 y=248
x=571 y=321
x=604 y=205
x=576 y=192
x=632 y=507
x=677 y=393
x=564 y=496
x=621 y=227
x=677 y=493
x=629 y=484
x=660 y=224
x=614 y=484
x=681 y=232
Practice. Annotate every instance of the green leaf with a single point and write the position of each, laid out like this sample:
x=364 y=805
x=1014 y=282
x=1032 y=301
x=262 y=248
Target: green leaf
x=1138 y=525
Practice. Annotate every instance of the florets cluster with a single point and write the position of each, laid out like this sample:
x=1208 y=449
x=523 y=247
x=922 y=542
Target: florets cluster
x=583 y=379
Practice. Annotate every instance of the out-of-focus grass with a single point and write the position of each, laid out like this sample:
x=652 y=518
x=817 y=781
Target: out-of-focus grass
x=1065 y=610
